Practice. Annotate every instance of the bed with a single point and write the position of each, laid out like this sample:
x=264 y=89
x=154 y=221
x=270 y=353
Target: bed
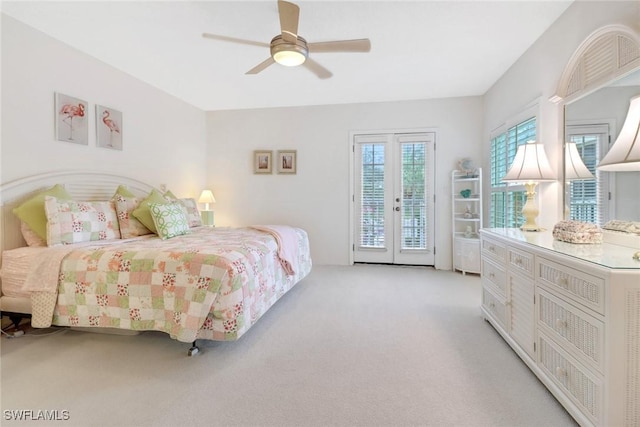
x=206 y=283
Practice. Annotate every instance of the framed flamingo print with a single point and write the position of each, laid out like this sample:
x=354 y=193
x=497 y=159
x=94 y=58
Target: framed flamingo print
x=108 y=128
x=287 y=162
x=71 y=118
x=262 y=161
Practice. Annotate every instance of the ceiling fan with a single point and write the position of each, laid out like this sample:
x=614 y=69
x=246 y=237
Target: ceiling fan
x=289 y=49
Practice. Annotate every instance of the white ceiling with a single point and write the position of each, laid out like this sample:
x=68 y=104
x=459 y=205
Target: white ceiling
x=420 y=49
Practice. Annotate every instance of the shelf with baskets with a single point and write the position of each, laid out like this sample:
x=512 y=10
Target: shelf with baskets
x=466 y=220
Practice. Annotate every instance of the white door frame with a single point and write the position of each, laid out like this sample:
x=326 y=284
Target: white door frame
x=351 y=148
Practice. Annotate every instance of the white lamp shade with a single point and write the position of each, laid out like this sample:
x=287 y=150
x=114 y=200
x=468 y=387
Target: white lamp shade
x=574 y=167
x=624 y=155
x=206 y=197
x=530 y=165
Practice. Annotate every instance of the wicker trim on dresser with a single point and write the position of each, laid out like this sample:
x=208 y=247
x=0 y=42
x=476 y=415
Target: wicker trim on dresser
x=632 y=322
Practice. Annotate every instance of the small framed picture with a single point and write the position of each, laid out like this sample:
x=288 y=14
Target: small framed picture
x=72 y=117
x=108 y=128
x=287 y=162
x=262 y=161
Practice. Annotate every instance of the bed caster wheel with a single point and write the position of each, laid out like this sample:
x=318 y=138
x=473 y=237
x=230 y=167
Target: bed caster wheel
x=193 y=350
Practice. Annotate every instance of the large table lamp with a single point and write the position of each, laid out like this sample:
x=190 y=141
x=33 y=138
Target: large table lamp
x=529 y=167
x=624 y=154
x=207 y=215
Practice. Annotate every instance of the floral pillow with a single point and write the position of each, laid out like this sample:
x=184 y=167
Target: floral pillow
x=170 y=219
x=32 y=213
x=129 y=225
x=193 y=215
x=70 y=222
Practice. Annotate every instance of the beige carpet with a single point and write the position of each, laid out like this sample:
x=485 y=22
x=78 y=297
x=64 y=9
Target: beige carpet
x=348 y=346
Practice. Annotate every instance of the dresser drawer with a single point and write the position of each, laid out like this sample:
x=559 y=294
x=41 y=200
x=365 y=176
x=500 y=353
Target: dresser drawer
x=520 y=261
x=494 y=276
x=579 y=384
x=495 y=306
x=494 y=249
x=577 y=285
x=572 y=328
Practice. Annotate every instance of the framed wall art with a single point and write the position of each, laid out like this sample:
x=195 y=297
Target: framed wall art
x=262 y=161
x=108 y=128
x=287 y=162
x=71 y=118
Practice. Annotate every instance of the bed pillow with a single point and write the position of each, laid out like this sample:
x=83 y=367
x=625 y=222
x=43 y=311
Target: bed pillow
x=129 y=225
x=32 y=211
x=123 y=191
x=170 y=219
x=30 y=236
x=71 y=222
x=169 y=195
x=193 y=216
x=142 y=214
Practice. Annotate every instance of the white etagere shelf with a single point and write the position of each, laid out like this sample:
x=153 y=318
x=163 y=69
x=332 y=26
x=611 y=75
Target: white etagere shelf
x=466 y=220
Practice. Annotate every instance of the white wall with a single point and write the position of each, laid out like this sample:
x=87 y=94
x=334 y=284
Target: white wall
x=164 y=138
x=317 y=198
x=536 y=75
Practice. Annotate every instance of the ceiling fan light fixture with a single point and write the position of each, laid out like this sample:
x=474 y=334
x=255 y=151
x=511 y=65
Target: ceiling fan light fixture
x=289 y=58
x=289 y=54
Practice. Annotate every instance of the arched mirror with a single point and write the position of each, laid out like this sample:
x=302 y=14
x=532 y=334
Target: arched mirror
x=596 y=89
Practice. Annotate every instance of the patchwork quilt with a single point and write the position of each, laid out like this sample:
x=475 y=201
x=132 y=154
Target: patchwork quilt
x=210 y=284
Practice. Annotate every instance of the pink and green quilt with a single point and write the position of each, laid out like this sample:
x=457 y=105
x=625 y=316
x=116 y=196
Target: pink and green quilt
x=209 y=284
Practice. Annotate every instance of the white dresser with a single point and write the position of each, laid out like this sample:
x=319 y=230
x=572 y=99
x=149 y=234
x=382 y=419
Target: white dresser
x=572 y=313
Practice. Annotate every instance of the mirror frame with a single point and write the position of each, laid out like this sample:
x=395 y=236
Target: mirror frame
x=579 y=80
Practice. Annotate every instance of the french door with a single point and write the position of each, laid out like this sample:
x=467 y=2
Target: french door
x=393 y=198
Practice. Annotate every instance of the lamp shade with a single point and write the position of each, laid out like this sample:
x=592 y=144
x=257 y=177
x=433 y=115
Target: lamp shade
x=574 y=167
x=530 y=164
x=206 y=197
x=624 y=155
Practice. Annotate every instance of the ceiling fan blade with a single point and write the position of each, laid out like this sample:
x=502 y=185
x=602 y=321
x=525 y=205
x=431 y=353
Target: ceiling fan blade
x=261 y=66
x=317 y=69
x=234 y=40
x=358 y=45
x=289 y=16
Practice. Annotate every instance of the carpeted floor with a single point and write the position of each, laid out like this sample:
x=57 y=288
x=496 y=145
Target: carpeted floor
x=348 y=346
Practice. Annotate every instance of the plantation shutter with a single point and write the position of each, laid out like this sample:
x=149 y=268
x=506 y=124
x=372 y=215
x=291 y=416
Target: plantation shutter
x=589 y=199
x=372 y=191
x=507 y=201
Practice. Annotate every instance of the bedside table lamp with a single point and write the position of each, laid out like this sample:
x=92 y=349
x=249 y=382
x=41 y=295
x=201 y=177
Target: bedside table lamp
x=207 y=215
x=530 y=166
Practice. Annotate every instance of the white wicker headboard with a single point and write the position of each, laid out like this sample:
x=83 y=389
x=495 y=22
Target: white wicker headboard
x=82 y=185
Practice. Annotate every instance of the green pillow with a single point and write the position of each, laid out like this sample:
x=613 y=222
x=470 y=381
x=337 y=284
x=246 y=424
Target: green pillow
x=32 y=211
x=170 y=219
x=124 y=192
x=142 y=212
x=170 y=195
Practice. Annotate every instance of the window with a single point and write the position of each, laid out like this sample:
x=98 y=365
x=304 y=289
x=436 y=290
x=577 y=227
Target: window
x=506 y=202
x=587 y=200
